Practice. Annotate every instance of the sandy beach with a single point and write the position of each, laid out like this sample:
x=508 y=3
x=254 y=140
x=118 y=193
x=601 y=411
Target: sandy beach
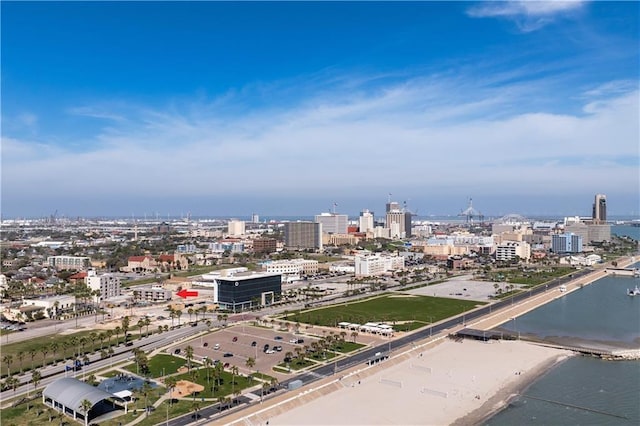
x=453 y=382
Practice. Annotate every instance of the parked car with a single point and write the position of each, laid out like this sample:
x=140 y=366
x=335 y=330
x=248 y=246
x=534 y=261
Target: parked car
x=265 y=348
x=293 y=340
x=254 y=343
x=227 y=355
x=216 y=346
x=205 y=344
x=177 y=351
x=277 y=348
x=235 y=338
x=277 y=338
x=270 y=351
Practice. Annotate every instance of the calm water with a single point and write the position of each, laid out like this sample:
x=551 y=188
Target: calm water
x=600 y=312
x=628 y=230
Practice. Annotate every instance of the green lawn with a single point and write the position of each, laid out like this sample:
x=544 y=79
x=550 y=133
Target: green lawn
x=346 y=347
x=414 y=309
x=296 y=364
x=529 y=278
x=161 y=364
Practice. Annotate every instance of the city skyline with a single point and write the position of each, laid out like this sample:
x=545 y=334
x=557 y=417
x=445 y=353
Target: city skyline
x=230 y=108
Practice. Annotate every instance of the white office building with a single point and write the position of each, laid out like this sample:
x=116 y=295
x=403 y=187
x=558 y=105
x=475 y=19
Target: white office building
x=365 y=221
x=109 y=285
x=370 y=264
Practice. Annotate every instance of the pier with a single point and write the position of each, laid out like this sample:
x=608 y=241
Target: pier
x=625 y=272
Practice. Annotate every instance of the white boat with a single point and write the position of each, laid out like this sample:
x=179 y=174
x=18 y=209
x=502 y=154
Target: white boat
x=633 y=292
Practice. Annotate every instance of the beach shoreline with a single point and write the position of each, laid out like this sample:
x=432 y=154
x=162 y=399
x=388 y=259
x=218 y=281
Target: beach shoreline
x=449 y=383
x=508 y=393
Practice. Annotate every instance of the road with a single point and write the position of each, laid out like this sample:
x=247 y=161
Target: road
x=121 y=353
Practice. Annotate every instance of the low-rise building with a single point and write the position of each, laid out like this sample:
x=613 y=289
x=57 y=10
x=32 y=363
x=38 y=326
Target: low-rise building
x=153 y=294
x=69 y=262
x=509 y=250
x=369 y=264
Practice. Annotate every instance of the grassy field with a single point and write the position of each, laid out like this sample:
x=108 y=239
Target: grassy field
x=161 y=365
x=346 y=347
x=412 y=309
x=295 y=365
x=529 y=278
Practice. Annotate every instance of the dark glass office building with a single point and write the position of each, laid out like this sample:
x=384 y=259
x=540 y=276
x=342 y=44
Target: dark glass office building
x=242 y=292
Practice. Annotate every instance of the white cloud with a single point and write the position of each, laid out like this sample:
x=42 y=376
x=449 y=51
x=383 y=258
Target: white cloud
x=424 y=133
x=528 y=15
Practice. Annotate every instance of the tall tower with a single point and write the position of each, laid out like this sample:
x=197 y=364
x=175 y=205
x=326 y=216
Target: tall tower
x=600 y=209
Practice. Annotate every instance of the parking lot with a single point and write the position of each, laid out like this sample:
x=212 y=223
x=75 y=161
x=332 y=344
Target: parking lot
x=462 y=287
x=238 y=341
x=241 y=342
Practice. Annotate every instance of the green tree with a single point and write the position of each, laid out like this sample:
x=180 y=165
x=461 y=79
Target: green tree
x=7 y=360
x=35 y=378
x=188 y=351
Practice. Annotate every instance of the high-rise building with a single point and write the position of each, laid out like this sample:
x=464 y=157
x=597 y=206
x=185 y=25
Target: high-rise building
x=365 y=221
x=566 y=243
x=600 y=209
x=333 y=223
x=399 y=222
x=303 y=235
x=392 y=205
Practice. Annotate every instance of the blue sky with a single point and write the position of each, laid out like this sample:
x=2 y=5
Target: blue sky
x=229 y=108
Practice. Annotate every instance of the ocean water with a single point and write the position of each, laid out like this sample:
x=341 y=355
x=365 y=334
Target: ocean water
x=626 y=230
x=583 y=390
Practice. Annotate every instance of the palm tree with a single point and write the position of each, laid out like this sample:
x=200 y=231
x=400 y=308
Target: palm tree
x=92 y=336
x=109 y=334
x=54 y=349
x=117 y=332
x=35 y=378
x=250 y=362
x=190 y=312
x=140 y=325
x=171 y=383
x=234 y=372
x=32 y=353
x=74 y=344
x=354 y=335
x=189 y=355
x=147 y=323
x=85 y=407
x=44 y=350
x=20 y=356
x=145 y=390
x=7 y=360
x=83 y=342
x=179 y=315
x=101 y=337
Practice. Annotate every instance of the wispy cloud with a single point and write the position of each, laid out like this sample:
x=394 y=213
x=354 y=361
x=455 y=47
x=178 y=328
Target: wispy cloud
x=434 y=133
x=528 y=15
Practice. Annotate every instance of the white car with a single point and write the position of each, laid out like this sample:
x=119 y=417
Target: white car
x=270 y=351
x=293 y=340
